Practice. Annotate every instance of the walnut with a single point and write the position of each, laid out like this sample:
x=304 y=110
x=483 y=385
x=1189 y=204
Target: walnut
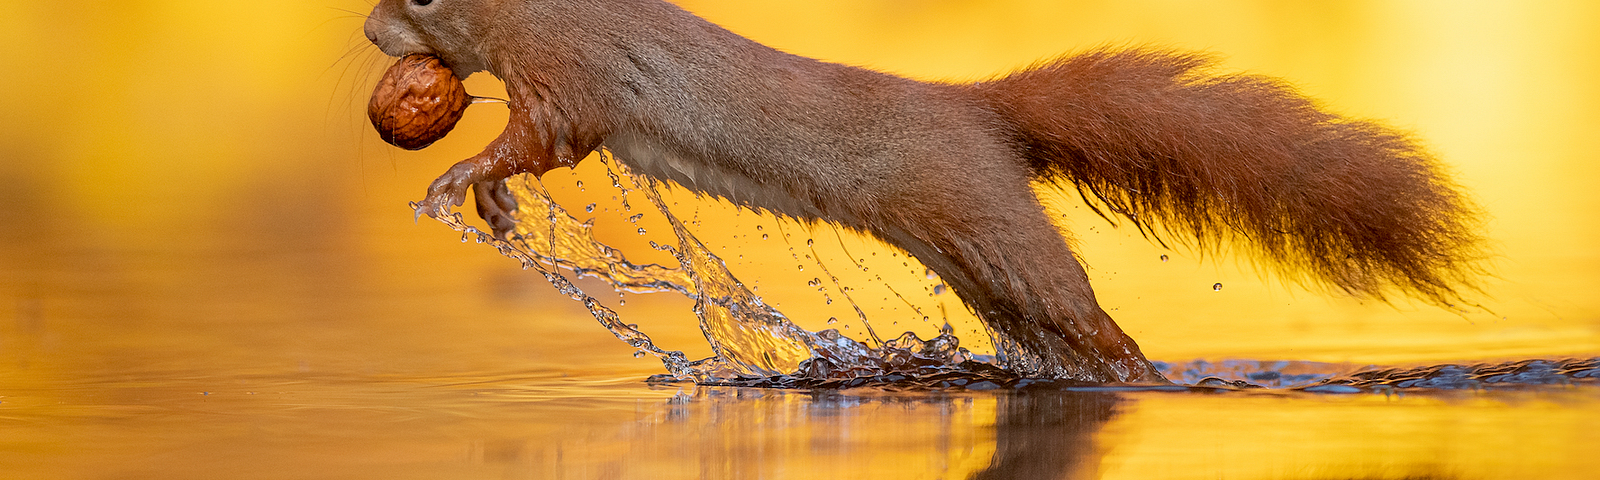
x=417 y=102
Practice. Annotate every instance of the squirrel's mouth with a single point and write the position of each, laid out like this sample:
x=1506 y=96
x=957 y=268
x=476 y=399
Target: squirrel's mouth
x=399 y=47
x=461 y=69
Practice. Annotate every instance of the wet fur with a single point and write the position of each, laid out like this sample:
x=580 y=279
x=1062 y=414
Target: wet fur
x=944 y=171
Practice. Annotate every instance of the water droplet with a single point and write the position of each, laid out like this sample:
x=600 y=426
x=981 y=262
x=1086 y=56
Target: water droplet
x=827 y=299
x=638 y=354
x=833 y=320
x=1163 y=258
x=814 y=282
x=465 y=238
x=801 y=267
x=589 y=208
x=938 y=289
x=758 y=228
x=580 y=185
x=809 y=242
x=930 y=274
x=763 y=236
x=641 y=230
x=1217 y=286
x=635 y=218
x=622 y=302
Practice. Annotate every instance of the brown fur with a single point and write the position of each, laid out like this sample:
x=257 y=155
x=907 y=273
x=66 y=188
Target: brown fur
x=944 y=171
x=1156 y=138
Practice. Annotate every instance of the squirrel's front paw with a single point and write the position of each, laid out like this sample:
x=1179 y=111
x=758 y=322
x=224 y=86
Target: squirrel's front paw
x=449 y=190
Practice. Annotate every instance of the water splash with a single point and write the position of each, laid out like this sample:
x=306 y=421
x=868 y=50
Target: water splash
x=751 y=340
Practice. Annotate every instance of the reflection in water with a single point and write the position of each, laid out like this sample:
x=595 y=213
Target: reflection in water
x=1039 y=434
x=1048 y=435
x=726 y=432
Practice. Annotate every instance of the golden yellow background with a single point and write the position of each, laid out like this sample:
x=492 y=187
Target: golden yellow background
x=189 y=191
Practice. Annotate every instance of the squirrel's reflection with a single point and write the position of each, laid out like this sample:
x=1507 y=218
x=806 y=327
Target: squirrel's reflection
x=1048 y=434
x=746 y=432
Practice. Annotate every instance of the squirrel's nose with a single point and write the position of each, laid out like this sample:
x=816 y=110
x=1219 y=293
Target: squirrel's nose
x=371 y=29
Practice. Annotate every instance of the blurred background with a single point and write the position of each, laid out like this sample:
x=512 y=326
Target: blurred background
x=191 y=200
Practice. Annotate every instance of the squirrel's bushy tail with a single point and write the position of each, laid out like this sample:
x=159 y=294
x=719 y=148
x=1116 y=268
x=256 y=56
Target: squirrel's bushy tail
x=1156 y=137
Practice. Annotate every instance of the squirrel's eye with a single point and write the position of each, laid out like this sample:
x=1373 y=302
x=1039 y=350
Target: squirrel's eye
x=421 y=3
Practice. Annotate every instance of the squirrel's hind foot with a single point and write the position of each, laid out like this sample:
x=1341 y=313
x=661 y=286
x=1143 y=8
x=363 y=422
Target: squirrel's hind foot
x=495 y=206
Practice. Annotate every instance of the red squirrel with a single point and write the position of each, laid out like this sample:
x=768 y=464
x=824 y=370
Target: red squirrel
x=945 y=171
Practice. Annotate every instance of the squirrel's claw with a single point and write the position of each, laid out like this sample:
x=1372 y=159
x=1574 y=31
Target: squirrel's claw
x=448 y=191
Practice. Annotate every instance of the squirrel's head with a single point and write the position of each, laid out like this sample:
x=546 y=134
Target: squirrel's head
x=448 y=29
